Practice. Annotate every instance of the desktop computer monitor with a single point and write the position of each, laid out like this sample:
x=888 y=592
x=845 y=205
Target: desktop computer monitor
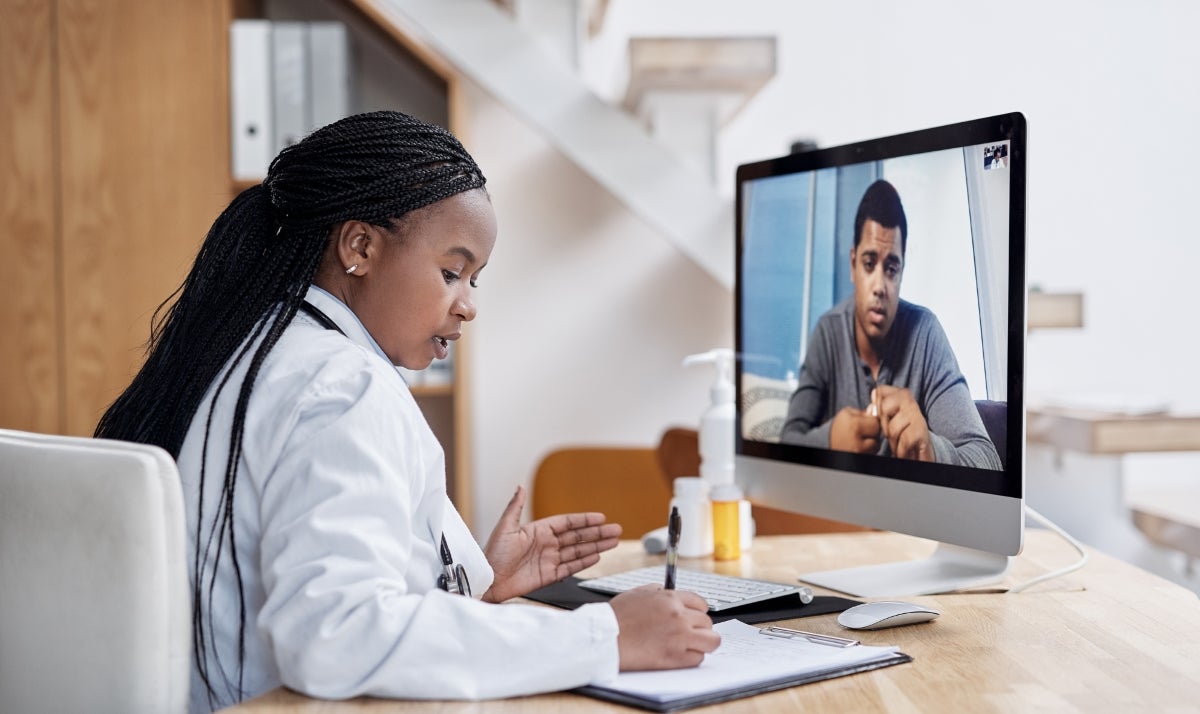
x=880 y=337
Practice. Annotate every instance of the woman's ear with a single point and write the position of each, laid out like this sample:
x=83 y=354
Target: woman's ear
x=353 y=246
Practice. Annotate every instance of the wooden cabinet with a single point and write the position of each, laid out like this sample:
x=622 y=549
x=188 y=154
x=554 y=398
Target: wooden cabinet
x=113 y=136
x=30 y=226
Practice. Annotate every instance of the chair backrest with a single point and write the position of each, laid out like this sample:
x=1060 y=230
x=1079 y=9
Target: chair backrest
x=94 y=598
x=995 y=421
x=622 y=483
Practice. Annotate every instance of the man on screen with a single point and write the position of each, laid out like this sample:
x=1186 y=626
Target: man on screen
x=879 y=376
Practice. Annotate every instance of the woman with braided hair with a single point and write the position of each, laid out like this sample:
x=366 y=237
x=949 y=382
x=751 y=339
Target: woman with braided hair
x=324 y=552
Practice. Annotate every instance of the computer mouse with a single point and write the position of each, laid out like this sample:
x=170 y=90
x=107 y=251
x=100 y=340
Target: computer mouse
x=885 y=613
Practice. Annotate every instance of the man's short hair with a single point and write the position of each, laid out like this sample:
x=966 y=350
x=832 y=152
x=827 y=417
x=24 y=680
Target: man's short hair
x=881 y=203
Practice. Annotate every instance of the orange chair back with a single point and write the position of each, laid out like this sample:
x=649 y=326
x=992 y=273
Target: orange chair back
x=623 y=483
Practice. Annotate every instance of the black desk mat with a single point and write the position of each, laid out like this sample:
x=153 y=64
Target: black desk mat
x=568 y=595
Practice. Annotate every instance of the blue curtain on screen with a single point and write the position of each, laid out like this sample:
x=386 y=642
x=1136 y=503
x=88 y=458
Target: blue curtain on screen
x=776 y=230
x=799 y=230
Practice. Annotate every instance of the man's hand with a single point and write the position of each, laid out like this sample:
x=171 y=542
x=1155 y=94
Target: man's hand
x=526 y=557
x=903 y=424
x=854 y=430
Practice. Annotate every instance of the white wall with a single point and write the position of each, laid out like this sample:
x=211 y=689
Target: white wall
x=585 y=312
x=584 y=316
x=1111 y=94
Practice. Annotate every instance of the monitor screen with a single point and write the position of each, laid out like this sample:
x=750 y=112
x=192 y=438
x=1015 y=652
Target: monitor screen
x=880 y=316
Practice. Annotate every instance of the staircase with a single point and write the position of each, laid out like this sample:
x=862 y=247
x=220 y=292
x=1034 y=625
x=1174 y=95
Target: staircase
x=659 y=163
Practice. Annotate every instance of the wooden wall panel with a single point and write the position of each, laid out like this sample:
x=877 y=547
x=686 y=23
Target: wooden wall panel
x=143 y=97
x=29 y=230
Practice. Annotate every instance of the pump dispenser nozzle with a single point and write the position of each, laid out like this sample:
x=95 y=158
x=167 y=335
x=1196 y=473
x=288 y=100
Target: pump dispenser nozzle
x=722 y=359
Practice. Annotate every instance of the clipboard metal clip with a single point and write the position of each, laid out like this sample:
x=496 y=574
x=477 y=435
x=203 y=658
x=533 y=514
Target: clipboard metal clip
x=788 y=633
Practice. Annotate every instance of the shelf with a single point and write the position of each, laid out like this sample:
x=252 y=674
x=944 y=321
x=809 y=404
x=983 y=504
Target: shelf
x=732 y=69
x=1092 y=432
x=432 y=390
x=240 y=185
x=1169 y=519
x=1055 y=310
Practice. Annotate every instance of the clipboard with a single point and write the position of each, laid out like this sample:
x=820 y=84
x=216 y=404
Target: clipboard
x=731 y=676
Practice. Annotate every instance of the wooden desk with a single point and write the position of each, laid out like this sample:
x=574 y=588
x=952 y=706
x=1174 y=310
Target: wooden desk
x=1108 y=637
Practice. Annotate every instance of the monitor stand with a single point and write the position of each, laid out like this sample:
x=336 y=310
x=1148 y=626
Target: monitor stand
x=950 y=568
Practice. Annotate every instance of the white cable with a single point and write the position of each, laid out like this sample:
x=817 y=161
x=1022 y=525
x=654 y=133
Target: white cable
x=1083 y=556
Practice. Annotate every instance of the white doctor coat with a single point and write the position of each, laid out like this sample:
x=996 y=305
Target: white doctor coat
x=339 y=508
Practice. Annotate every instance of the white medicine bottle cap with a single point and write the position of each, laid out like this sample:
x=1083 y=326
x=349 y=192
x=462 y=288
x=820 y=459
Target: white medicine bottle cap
x=726 y=492
x=691 y=487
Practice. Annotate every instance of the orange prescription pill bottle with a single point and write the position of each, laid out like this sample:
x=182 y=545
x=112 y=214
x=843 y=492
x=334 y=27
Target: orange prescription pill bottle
x=727 y=533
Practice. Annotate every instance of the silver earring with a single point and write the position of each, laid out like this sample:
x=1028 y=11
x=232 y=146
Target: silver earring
x=351 y=269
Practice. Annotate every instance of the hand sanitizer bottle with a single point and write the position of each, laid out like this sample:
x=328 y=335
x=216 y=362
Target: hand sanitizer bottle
x=716 y=455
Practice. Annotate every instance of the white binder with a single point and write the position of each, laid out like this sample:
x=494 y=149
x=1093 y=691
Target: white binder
x=289 y=53
x=329 y=73
x=250 y=82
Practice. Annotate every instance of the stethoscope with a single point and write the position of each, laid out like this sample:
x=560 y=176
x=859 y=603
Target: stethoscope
x=453 y=578
x=315 y=313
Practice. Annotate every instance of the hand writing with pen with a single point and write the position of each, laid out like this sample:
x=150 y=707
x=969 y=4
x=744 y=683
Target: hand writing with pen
x=657 y=628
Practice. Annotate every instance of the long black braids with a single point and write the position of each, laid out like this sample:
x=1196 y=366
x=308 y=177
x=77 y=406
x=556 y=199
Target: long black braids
x=249 y=279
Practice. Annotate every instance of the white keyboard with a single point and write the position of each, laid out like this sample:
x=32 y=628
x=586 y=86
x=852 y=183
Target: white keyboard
x=721 y=592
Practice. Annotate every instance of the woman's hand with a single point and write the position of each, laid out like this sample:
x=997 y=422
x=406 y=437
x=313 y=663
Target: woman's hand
x=662 y=629
x=526 y=557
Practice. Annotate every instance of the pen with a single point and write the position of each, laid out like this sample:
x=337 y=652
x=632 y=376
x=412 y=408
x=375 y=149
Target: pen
x=788 y=633
x=673 y=526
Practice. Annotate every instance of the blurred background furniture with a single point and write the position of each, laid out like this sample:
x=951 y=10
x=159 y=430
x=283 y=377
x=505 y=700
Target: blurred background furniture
x=1171 y=519
x=679 y=455
x=94 y=596
x=633 y=486
x=1093 y=431
x=1077 y=456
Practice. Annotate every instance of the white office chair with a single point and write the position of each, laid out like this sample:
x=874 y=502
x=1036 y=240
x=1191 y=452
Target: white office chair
x=94 y=597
